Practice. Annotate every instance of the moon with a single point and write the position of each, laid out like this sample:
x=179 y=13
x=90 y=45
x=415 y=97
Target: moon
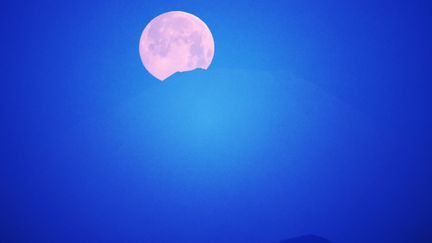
x=174 y=42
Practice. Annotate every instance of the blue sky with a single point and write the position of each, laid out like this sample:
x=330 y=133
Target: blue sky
x=314 y=118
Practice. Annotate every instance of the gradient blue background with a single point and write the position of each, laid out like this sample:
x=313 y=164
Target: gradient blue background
x=314 y=118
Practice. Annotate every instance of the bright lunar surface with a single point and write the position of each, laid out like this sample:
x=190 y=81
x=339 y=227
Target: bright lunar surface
x=175 y=42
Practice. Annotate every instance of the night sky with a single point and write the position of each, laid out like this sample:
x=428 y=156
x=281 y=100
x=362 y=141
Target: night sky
x=314 y=118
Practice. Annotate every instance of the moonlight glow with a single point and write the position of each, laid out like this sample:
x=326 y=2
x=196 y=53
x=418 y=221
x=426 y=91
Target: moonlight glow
x=176 y=42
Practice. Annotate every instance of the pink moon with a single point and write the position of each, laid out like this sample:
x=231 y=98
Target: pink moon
x=175 y=42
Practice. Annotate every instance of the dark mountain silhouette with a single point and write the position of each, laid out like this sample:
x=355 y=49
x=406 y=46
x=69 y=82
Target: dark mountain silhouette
x=306 y=239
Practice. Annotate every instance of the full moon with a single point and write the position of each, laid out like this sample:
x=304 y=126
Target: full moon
x=175 y=42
